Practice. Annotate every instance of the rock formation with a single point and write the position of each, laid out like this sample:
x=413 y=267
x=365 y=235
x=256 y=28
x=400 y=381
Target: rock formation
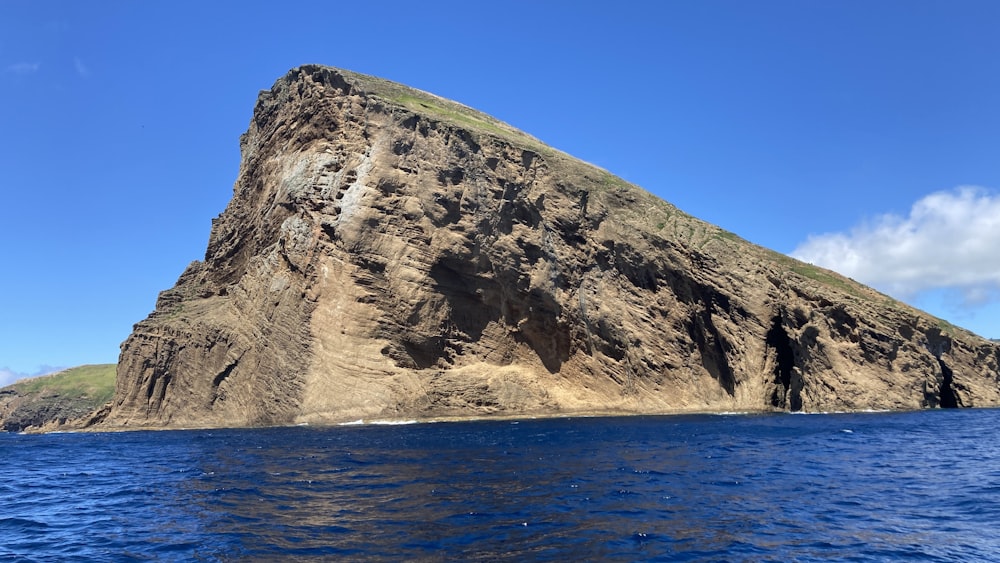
x=66 y=398
x=391 y=254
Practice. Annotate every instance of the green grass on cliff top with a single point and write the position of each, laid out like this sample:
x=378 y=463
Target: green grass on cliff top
x=443 y=109
x=94 y=382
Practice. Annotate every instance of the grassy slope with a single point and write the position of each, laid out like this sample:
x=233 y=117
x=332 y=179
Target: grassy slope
x=93 y=383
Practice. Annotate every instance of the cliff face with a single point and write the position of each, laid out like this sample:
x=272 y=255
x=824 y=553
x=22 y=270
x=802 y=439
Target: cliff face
x=388 y=254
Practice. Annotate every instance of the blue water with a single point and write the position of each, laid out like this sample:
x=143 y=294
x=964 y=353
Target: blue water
x=921 y=486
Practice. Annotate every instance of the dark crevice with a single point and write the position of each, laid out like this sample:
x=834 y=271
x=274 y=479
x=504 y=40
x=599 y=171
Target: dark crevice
x=163 y=389
x=458 y=281
x=712 y=349
x=219 y=378
x=788 y=384
x=410 y=123
x=288 y=261
x=222 y=375
x=948 y=398
x=150 y=388
x=777 y=339
x=453 y=176
x=795 y=394
x=329 y=230
x=423 y=352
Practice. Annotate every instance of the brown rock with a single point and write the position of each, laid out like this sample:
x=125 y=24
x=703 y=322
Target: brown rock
x=391 y=254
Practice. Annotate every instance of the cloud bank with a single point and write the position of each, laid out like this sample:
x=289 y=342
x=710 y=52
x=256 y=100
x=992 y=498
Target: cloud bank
x=950 y=240
x=8 y=376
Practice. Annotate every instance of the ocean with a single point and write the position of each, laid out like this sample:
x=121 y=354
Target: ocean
x=916 y=486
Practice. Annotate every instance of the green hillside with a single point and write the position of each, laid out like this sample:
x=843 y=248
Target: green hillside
x=60 y=396
x=96 y=382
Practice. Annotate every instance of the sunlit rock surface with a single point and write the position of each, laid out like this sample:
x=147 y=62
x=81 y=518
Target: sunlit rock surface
x=391 y=254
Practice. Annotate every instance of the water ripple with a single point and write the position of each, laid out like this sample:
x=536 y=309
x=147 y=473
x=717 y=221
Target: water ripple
x=922 y=486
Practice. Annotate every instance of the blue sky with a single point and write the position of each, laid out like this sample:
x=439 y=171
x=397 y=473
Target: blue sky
x=862 y=135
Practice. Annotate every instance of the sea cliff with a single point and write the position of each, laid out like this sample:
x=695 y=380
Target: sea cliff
x=391 y=254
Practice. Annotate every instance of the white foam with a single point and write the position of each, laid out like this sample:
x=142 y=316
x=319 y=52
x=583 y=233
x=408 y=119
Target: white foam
x=361 y=422
x=858 y=411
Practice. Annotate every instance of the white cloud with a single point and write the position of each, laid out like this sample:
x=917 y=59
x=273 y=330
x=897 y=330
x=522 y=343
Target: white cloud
x=24 y=68
x=8 y=376
x=950 y=240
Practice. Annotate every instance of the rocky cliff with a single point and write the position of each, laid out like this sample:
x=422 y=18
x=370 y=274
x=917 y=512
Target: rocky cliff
x=391 y=254
x=50 y=401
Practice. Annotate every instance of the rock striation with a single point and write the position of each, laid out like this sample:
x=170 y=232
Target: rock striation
x=391 y=254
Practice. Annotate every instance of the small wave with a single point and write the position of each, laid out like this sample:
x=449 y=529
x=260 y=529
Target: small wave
x=361 y=422
x=858 y=411
x=22 y=523
x=615 y=487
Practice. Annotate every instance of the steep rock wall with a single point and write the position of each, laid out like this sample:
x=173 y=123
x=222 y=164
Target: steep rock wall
x=388 y=253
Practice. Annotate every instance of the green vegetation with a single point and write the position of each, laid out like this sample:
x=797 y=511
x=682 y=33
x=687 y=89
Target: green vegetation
x=723 y=234
x=452 y=113
x=946 y=327
x=96 y=383
x=609 y=181
x=821 y=275
x=424 y=103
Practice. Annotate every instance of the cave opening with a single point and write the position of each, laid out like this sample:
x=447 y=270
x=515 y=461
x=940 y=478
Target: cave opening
x=947 y=395
x=786 y=391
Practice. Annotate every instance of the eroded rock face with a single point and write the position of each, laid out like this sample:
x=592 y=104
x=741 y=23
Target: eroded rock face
x=392 y=254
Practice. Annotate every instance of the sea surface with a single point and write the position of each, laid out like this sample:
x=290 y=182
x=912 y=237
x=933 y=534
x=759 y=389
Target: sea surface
x=920 y=486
